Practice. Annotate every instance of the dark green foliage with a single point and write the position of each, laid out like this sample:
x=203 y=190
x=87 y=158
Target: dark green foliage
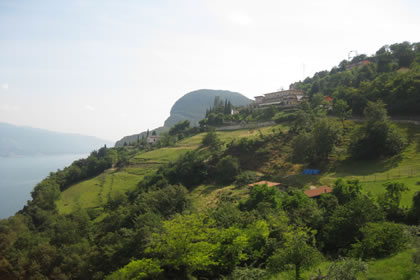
x=345 y=223
x=262 y=194
x=189 y=170
x=414 y=213
x=212 y=141
x=378 y=77
x=165 y=202
x=390 y=201
x=246 y=177
x=377 y=137
x=346 y=191
x=380 y=240
x=227 y=169
x=297 y=251
x=341 y=109
x=300 y=209
x=249 y=152
x=179 y=128
x=314 y=144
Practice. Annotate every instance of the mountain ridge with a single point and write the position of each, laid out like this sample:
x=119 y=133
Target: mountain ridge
x=18 y=140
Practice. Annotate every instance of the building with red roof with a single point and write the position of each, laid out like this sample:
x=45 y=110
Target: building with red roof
x=318 y=191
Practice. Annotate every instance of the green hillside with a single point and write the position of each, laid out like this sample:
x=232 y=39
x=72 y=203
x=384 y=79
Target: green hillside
x=96 y=191
x=183 y=207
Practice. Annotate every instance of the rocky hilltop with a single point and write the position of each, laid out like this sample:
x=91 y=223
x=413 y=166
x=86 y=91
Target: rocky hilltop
x=192 y=106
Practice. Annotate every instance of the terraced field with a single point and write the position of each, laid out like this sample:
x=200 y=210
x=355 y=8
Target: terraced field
x=373 y=174
x=96 y=191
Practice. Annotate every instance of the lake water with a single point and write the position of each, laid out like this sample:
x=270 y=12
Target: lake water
x=19 y=175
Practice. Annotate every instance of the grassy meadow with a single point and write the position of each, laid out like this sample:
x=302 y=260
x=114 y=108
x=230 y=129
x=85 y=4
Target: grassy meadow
x=397 y=267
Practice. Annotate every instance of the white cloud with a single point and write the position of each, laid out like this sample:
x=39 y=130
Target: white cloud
x=5 y=86
x=240 y=18
x=90 y=108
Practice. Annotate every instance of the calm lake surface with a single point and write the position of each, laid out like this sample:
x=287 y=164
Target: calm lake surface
x=19 y=175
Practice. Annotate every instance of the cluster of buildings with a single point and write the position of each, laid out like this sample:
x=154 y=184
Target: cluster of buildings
x=285 y=98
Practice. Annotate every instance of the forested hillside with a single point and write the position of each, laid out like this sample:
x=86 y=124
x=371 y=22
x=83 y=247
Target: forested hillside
x=392 y=74
x=205 y=204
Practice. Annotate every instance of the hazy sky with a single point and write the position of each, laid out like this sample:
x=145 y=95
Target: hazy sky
x=114 y=68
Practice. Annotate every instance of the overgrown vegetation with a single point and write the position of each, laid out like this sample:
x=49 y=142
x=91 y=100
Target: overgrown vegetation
x=156 y=230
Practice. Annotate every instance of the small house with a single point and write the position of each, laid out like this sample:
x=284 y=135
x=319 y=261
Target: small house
x=316 y=192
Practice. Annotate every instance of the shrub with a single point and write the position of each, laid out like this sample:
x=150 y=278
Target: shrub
x=380 y=240
x=245 y=178
x=227 y=169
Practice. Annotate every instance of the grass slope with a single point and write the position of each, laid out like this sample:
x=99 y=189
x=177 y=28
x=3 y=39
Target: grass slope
x=397 y=267
x=96 y=191
x=373 y=174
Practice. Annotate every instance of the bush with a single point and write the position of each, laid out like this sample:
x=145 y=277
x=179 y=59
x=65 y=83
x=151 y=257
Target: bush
x=246 y=177
x=137 y=270
x=227 y=169
x=380 y=240
x=284 y=117
x=377 y=137
x=211 y=140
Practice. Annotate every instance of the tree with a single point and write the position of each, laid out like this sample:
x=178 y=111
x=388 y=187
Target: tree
x=261 y=194
x=345 y=223
x=414 y=214
x=377 y=137
x=211 y=140
x=390 y=200
x=341 y=109
x=403 y=53
x=317 y=100
x=179 y=128
x=346 y=191
x=137 y=270
x=231 y=250
x=184 y=244
x=227 y=169
x=380 y=240
x=297 y=251
x=314 y=147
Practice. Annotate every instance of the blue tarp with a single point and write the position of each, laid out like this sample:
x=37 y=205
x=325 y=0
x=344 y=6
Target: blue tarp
x=311 y=171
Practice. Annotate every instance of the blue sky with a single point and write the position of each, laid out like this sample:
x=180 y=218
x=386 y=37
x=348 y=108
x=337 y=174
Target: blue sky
x=113 y=68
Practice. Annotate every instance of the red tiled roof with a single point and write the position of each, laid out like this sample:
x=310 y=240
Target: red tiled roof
x=268 y=183
x=328 y=98
x=318 y=191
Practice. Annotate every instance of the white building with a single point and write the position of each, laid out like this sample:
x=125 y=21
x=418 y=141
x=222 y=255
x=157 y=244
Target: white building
x=284 y=97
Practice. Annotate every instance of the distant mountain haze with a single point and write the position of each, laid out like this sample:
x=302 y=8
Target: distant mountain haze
x=28 y=141
x=192 y=106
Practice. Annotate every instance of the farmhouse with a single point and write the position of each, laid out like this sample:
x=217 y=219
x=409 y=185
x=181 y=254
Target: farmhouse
x=286 y=98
